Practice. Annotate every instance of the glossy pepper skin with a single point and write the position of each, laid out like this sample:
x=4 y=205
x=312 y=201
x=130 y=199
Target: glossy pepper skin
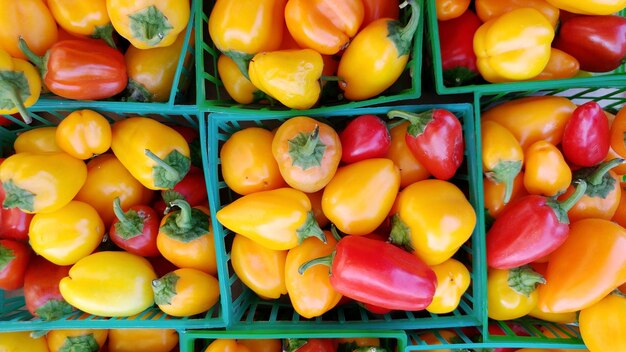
x=62 y=340
x=599 y=268
x=450 y=9
x=377 y=9
x=89 y=19
x=411 y=170
x=142 y=340
x=514 y=46
x=20 y=86
x=503 y=156
x=149 y=23
x=592 y=7
x=602 y=325
x=80 y=69
x=40 y=139
x=30 y=19
x=226 y=345
x=433 y=219
x=325 y=26
x=135 y=230
x=14 y=223
x=154 y=153
x=23 y=341
x=280 y=218
x=436 y=139
x=456 y=41
x=41 y=182
x=495 y=193
x=597 y=42
x=529 y=229
x=489 y=9
x=367 y=136
x=360 y=195
x=236 y=84
x=84 y=134
x=185 y=292
x=382 y=49
x=109 y=284
x=41 y=289
x=379 y=273
x=546 y=172
x=512 y=293
x=453 y=279
x=289 y=76
x=561 y=65
x=14 y=258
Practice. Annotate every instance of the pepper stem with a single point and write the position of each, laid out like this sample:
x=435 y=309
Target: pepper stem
x=172 y=172
x=579 y=192
x=119 y=213
x=105 y=33
x=184 y=218
x=619 y=293
x=16 y=99
x=330 y=78
x=335 y=232
x=524 y=280
x=326 y=260
x=32 y=57
x=406 y=33
x=596 y=177
x=418 y=121
x=309 y=147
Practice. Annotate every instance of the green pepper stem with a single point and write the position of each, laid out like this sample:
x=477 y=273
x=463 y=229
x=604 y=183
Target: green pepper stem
x=174 y=174
x=418 y=121
x=406 y=33
x=524 y=280
x=105 y=33
x=335 y=232
x=579 y=192
x=330 y=78
x=32 y=57
x=596 y=177
x=119 y=213
x=619 y=293
x=184 y=218
x=17 y=101
x=326 y=260
x=309 y=147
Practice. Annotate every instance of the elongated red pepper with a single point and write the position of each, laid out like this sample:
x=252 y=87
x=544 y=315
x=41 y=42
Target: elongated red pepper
x=529 y=229
x=379 y=273
x=597 y=42
x=586 y=137
x=456 y=40
x=14 y=223
x=41 y=289
x=81 y=69
x=136 y=230
x=435 y=138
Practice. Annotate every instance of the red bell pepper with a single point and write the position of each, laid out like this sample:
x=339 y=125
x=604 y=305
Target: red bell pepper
x=586 y=137
x=456 y=41
x=14 y=223
x=363 y=138
x=80 y=69
x=376 y=310
x=529 y=229
x=379 y=273
x=312 y=345
x=435 y=138
x=135 y=230
x=597 y=42
x=41 y=289
x=14 y=258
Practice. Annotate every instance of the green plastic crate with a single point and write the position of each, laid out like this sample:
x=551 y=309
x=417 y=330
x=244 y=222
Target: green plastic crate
x=432 y=34
x=197 y=340
x=181 y=94
x=211 y=94
x=245 y=308
x=13 y=313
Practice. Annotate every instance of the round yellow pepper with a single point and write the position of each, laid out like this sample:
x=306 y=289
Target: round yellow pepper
x=453 y=279
x=512 y=294
x=185 y=292
x=84 y=134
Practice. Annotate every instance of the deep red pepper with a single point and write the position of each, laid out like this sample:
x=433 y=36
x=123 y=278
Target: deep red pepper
x=80 y=69
x=136 y=229
x=456 y=40
x=435 y=138
x=14 y=258
x=363 y=138
x=312 y=345
x=376 y=310
x=529 y=229
x=376 y=9
x=586 y=137
x=41 y=289
x=597 y=42
x=379 y=273
x=192 y=188
x=14 y=223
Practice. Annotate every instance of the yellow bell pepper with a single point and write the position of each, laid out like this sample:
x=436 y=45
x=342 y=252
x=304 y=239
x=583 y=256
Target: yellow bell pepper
x=514 y=46
x=603 y=324
x=512 y=294
x=110 y=284
x=20 y=85
x=76 y=339
x=84 y=18
x=236 y=84
x=453 y=279
x=185 y=292
x=260 y=268
x=590 y=7
x=243 y=28
x=28 y=19
x=154 y=153
x=280 y=219
x=84 y=134
x=432 y=219
x=68 y=234
x=290 y=76
x=22 y=341
x=41 y=182
x=37 y=140
x=149 y=23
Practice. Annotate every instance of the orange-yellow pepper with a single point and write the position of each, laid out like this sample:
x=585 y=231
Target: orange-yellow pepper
x=411 y=170
x=236 y=84
x=620 y=213
x=40 y=139
x=84 y=134
x=494 y=194
x=531 y=119
x=437 y=337
x=226 y=345
x=142 y=340
x=186 y=292
x=262 y=345
x=83 y=18
x=449 y=9
x=512 y=293
x=311 y=293
x=489 y=9
x=260 y=268
x=20 y=85
x=433 y=220
x=453 y=279
x=69 y=340
x=22 y=341
x=29 y=19
x=41 y=182
x=514 y=46
x=561 y=65
x=316 y=206
x=325 y=26
x=618 y=131
x=603 y=324
x=546 y=171
x=502 y=155
x=590 y=7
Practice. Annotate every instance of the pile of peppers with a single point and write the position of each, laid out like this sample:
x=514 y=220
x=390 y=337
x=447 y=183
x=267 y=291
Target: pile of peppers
x=514 y=40
x=300 y=52
x=89 y=50
x=556 y=204
x=361 y=210
x=109 y=218
x=343 y=344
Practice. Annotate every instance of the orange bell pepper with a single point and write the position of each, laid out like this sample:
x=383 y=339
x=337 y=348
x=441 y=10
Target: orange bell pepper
x=602 y=325
x=84 y=134
x=377 y=9
x=262 y=345
x=488 y=9
x=620 y=213
x=142 y=340
x=449 y=9
x=618 y=131
x=411 y=170
x=494 y=194
x=325 y=26
x=28 y=19
x=561 y=65
x=83 y=18
x=502 y=155
x=69 y=340
x=185 y=292
x=316 y=206
x=546 y=172
x=236 y=84
x=226 y=345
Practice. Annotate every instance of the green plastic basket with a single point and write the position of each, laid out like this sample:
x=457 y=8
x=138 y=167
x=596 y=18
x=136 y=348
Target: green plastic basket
x=245 y=308
x=432 y=33
x=13 y=313
x=212 y=95
x=197 y=340
x=181 y=94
